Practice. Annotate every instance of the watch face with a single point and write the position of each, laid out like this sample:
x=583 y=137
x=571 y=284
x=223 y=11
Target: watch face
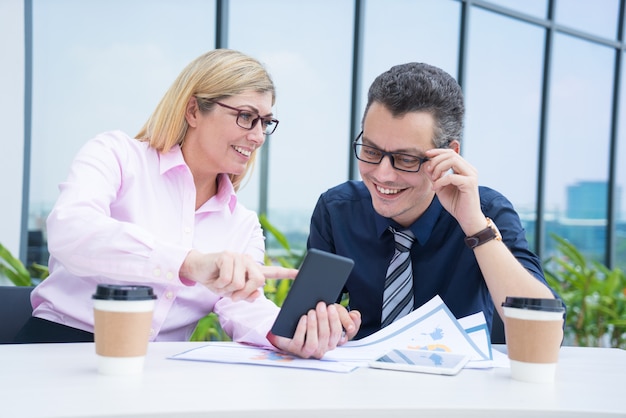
x=495 y=229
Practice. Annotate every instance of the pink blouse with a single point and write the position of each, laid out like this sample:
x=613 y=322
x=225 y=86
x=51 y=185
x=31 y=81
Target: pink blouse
x=126 y=214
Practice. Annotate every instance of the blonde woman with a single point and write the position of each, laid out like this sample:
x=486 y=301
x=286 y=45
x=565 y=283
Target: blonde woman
x=161 y=209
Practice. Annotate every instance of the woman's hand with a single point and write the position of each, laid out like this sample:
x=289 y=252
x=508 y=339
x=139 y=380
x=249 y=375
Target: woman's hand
x=230 y=274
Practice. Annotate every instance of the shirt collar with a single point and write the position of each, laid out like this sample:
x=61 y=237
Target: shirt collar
x=171 y=159
x=422 y=228
x=225 y=196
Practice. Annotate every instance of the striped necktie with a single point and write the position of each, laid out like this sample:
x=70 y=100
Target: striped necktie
x=398 y=294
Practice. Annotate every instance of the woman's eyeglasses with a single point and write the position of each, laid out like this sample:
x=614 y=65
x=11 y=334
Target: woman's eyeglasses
x=248 y=120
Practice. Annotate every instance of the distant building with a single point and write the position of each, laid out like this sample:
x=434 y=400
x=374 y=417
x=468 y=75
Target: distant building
x=587 y=200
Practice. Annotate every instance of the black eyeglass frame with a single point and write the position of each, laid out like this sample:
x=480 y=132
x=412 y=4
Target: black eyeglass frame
x=383 y=154
x=254 y=121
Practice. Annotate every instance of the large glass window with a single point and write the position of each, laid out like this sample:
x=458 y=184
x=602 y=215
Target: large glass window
x=503 y=100
x=98 y=66
x=12 y=78
x=578 y=138
x=409 y=31
x=104 y=64
x=307 y=47
x=597 y=17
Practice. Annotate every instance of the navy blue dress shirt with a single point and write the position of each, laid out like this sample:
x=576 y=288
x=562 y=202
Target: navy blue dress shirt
x=344 y=222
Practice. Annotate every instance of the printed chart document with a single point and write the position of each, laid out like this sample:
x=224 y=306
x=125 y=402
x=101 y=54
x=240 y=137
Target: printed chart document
x=230 y=352
x=430 y=327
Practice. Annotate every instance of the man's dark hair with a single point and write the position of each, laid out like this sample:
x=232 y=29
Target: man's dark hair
x=419 y=87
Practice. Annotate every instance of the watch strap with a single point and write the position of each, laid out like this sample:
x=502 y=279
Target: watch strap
x=489 y=233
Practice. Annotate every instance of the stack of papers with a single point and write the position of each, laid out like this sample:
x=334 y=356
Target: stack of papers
x=431 y=327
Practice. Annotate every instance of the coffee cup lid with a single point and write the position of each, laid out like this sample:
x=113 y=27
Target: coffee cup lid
x=123 y=292
x=537 y=304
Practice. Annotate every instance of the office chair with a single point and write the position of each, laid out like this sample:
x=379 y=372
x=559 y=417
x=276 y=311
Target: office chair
x=15 y=309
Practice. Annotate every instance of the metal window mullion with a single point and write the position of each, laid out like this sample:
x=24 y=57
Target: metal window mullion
x=221 y=24
x=28 y=117
x=543 y=126
x=463 y=35
x=357 y=75
x=613 y=147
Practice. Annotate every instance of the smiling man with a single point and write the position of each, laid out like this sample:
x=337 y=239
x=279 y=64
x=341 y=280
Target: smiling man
x=418 y=224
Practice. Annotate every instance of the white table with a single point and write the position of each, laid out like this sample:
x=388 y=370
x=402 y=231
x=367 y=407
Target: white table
x=60 y=380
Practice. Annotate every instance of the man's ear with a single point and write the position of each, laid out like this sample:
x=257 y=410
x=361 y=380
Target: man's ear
x=191 y=111
x=456 y=146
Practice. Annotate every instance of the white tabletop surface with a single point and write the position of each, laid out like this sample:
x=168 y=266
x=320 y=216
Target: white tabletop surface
x=60 y=380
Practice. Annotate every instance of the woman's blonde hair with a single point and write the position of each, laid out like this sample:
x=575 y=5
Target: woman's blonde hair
x=214 y=75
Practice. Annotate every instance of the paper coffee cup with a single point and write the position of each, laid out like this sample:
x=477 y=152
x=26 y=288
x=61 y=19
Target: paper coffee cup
x=122 y=319
x=534 y=332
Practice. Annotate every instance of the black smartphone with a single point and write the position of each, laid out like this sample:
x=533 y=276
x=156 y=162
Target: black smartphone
x=321 y=277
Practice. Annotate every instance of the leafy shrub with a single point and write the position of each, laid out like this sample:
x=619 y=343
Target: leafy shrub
x=595 y=297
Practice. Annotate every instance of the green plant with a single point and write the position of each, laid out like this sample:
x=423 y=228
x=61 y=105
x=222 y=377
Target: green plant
x=277 y=289
x=594 y=294
x=14 y=270
x=209 y=329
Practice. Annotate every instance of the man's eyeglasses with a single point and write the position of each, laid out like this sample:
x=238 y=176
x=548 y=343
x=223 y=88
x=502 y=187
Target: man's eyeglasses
x=247 y=120
x=399 y=161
